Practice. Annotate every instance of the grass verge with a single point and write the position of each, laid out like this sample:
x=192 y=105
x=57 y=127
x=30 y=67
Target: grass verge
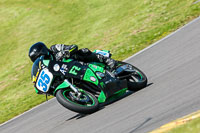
x=190 y=127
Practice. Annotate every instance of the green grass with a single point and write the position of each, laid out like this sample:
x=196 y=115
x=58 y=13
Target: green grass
x=190 y=127
x=124 y=27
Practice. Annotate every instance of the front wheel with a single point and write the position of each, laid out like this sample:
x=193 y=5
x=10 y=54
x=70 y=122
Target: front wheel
x=86 y=103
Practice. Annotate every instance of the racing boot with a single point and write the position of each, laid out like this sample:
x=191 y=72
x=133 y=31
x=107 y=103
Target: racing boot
x=111 y=63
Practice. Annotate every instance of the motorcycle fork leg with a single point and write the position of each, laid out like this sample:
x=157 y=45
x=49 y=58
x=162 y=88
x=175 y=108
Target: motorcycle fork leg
x=74 y=88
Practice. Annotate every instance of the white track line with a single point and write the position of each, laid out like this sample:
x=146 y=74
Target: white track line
x=196 y=2
x=24 y=113
x=152 y=45
x=124 y=60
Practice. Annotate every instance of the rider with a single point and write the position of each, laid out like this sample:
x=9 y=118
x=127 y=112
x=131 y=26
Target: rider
x=60 y=51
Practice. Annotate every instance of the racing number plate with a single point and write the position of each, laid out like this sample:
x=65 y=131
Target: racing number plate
x=44 y=80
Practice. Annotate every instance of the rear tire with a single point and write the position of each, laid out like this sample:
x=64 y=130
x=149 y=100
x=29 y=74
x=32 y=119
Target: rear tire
x=134 y=85
x=136 y=81
x=65 y=98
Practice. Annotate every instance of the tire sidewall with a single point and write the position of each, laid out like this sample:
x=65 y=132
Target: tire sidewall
x=135 y=86
x=75 y=107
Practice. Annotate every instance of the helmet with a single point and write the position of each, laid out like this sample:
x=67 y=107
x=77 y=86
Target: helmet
x=37 y=50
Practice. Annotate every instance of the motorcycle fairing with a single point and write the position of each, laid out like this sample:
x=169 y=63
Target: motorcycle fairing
x=108 y=84
x=61 y=86
x=72 y=69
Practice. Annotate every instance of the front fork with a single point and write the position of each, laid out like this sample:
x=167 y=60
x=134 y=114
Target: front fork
x=73 y=88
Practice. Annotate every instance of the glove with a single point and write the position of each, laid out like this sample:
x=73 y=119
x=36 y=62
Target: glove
x=66 y=53
x=63 y=51
x=69 y=50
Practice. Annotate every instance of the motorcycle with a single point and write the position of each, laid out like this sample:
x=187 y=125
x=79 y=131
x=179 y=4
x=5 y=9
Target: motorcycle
x=82 y=87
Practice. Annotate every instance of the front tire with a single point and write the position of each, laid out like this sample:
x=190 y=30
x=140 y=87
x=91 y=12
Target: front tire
x=87 y=104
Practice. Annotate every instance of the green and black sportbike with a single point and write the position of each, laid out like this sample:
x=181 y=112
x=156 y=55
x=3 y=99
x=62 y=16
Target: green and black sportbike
x=80 y=86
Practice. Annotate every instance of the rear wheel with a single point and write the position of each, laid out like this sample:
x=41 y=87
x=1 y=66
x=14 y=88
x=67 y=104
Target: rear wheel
x=137 y=80
x=85 y=103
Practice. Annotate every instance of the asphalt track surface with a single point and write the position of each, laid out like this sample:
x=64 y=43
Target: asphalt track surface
x=173 y=69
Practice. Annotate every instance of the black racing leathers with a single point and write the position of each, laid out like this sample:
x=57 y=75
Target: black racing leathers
x=61 y=51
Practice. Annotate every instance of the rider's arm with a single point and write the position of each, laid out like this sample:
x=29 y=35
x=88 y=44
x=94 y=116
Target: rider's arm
x=63 y=51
